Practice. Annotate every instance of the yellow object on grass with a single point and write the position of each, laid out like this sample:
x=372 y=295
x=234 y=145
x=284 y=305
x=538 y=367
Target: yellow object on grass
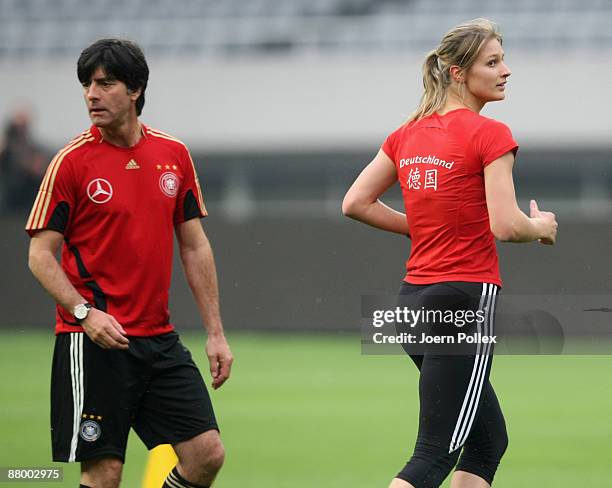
x=161 y=461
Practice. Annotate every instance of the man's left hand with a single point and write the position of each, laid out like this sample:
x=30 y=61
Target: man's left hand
x=220 y=359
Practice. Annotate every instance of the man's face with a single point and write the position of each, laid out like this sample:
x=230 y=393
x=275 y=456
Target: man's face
x=108 y=100
x=486 y=78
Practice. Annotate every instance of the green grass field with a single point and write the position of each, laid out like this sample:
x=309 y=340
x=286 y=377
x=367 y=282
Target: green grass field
x=310 y=410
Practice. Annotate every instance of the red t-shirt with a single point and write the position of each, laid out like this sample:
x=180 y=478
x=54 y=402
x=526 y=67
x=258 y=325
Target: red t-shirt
x=440 y=163
x=117 y=208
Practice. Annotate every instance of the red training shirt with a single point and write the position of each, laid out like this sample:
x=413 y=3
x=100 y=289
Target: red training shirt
x=117 y=208
x=440 y=161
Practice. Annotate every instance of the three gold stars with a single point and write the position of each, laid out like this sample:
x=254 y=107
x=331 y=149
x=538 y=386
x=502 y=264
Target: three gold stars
x=92 y=417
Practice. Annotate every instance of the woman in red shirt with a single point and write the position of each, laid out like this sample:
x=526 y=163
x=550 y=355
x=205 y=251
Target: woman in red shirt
x=454 y=167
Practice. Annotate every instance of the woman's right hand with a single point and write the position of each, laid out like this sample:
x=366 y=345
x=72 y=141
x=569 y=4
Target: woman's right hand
x=547 y=222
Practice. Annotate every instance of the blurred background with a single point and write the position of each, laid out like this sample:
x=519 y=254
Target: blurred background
x=282 y=103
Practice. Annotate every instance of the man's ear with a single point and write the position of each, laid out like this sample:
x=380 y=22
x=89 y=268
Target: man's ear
x=134 y=94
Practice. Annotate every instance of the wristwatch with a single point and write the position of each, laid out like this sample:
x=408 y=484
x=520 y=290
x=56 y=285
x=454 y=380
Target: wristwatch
x=81 y=311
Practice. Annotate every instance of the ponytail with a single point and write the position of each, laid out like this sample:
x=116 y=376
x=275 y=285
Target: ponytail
x=436 y=79
x=459 y=47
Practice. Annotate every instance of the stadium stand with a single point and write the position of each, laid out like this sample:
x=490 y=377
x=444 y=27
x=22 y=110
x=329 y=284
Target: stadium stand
x=42 y=28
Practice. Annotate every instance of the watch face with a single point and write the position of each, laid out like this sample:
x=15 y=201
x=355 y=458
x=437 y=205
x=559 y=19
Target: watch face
x=80 y=311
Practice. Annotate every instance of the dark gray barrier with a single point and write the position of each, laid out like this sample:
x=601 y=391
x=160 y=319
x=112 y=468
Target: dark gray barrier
x=311 y=274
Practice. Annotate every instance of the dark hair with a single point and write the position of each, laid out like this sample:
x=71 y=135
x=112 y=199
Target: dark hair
x=120 y=59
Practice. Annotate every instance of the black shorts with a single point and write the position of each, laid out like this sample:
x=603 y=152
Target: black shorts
x=98 y=394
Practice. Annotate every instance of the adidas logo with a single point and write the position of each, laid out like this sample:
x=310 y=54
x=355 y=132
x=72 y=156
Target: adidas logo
x=132 y=165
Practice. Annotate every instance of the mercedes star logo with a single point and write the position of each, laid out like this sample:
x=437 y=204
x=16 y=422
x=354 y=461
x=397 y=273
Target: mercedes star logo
x=99 y=190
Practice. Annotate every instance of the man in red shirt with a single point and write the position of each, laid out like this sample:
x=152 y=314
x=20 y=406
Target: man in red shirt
x=115 y=195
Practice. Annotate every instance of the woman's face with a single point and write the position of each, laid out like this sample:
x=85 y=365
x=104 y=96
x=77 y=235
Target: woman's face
x=486 y=78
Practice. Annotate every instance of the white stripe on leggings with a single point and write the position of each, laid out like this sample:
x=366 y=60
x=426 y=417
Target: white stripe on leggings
x=487 y=350
x=481 y=359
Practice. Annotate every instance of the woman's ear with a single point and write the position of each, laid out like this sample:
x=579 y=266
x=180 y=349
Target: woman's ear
x=457 y=74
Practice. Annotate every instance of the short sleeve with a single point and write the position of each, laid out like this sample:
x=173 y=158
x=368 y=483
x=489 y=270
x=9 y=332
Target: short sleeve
x=389 y=147
x=55 y=198
x=492 y=140
x=190 y=202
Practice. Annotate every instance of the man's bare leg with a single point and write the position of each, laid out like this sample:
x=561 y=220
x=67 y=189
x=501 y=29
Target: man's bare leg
x=101 y=473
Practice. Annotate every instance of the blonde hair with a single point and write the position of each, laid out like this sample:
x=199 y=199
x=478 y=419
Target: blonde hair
x=459 y=47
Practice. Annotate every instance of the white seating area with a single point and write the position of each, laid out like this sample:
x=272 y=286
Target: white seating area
x=57 y=28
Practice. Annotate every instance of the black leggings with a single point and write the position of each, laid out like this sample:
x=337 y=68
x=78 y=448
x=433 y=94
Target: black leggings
x=459 y=412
